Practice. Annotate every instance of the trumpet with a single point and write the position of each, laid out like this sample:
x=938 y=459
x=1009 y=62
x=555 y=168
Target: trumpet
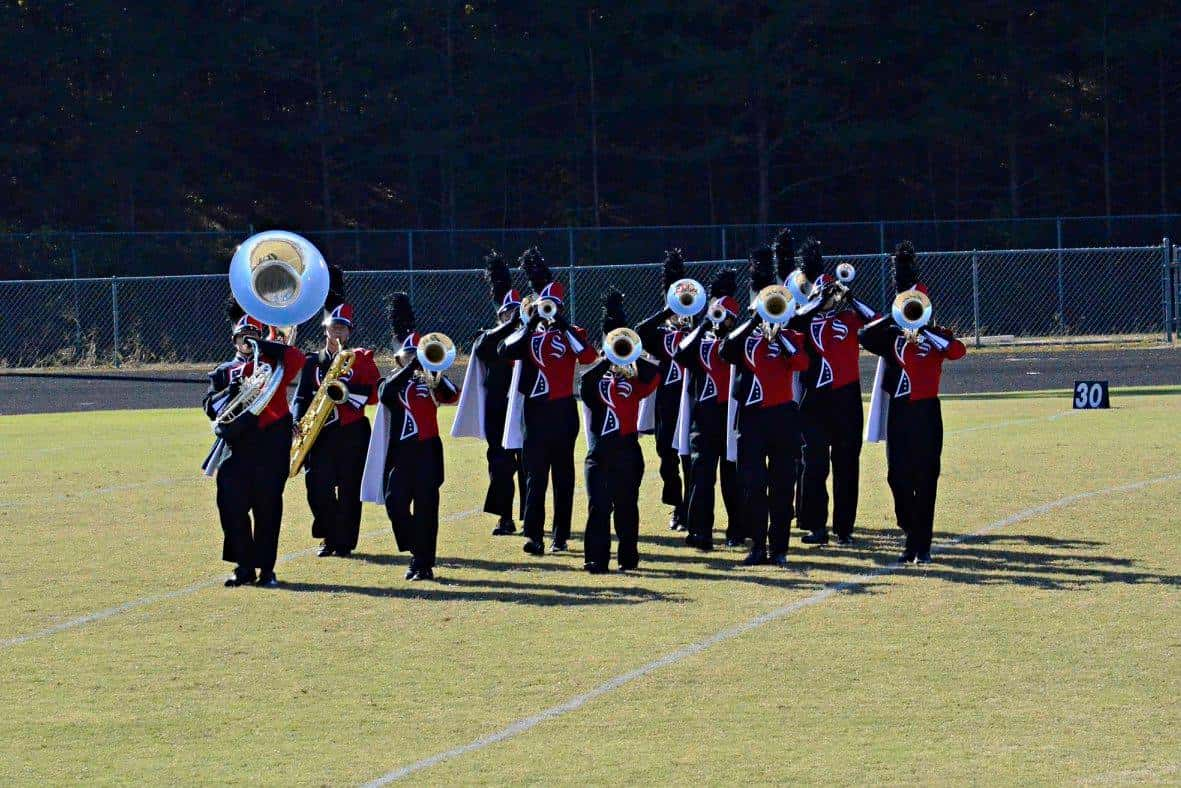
x=623 y=348
x=332 y=392
x=685 y=297
x=912 y=312
x=798 y=285
x=846 y=273
x=544 y=307
x=775 y=305
x=716 y=313
x=436 y=354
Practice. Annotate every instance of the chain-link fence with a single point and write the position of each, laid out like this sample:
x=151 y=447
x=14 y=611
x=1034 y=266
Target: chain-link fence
x=176 y=319
x=43 y=255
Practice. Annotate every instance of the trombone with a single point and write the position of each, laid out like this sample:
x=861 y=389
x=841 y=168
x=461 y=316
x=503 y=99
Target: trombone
x=623 y=349
x=436 y=354
x=912 y=312
x=775 y=305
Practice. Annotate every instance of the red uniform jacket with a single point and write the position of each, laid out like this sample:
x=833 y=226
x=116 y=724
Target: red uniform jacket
x=413 y=409
x=549 y=359
x=769 y=365
x=361 y=381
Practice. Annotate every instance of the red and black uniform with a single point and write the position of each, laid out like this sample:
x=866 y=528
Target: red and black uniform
x=414 y=459
x=768 y=428
x=614 y=460
x=337 y=459
x=548 y=357
x=660 y=339
x=252 y=479
x=831 y=417
x=914 y=422
x=504 y=465
x=709 y=391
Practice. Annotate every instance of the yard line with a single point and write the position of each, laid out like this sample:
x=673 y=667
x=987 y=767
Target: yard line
x=135 y=604
x=854 y=581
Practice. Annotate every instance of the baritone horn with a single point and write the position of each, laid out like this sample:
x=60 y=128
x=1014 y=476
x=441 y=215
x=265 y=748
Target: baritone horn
x=846 y=273
x=798 y=285
x=775 y=305
x=436 y=354
x=623 y=348
x=685 y=297
x=912 y=312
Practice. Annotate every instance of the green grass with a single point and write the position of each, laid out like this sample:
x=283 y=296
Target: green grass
x=1045 y=651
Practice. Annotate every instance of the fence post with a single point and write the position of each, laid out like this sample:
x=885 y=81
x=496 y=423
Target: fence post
x=882 y=237
x=1061 y=287
x=976 y=296
x=572 y=262
x=77 y=299
x=885 y=283
x=1166 y=291
x=410 y=249
x=724 y=242
x=115 y=315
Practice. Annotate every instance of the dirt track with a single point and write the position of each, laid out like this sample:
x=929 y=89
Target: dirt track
x=996 y=370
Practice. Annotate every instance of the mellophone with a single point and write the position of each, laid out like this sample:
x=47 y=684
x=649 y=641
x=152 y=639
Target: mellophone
x=281 y=280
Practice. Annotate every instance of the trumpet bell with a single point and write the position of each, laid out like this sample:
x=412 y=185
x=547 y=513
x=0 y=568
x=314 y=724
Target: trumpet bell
x=686 y=297
x=775 y=305
x=547 y=309
x=622 y=347
x=911 y=310
x=800 y=288
x=436 y=352
x=279 y=278
x=527 y=304
x=846 y=273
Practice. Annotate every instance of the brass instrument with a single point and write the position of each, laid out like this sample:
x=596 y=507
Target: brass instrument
x=775 y=305
x=686 y=297
x=716 y=313
x=544 y=307
x=846 y=273
x=912 y=312
x=436 y=353
x=800 y=288
x=623 y=348
x=332 y=392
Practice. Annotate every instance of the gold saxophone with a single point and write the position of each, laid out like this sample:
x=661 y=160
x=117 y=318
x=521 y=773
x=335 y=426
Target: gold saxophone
x=332 y=392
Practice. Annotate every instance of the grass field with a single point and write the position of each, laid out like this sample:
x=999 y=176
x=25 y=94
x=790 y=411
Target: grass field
x=1046 y=648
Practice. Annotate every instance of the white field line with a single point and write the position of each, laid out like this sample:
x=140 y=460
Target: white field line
x=854 y=581
x=212 y=582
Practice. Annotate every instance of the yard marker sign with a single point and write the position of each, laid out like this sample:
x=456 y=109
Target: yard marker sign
x=1091 y=395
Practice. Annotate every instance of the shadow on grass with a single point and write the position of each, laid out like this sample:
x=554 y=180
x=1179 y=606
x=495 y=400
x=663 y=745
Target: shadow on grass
x=447 y=589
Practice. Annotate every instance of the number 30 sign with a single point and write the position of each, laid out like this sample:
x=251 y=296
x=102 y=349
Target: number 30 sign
x=1090 y=394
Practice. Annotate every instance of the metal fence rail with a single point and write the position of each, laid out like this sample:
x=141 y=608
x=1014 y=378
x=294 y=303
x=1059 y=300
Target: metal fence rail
x=175 y=319
x=40 y=255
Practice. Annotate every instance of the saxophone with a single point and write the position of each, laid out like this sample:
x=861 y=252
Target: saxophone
x=332 y=392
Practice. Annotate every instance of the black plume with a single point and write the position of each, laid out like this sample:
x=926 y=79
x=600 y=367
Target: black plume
x=401 y=315
x=785 y=253
x=762 y=268
x=725 y=283
x=335 y=295
x=674 y=267
x=534 y=266
x=496 y=273
x=811 y=260
x=613 y=314
x=234 y=311
x=906 y=269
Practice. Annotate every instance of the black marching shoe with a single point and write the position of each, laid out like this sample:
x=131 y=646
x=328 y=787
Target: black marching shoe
x=268 y=580
x=344 y=552
x=628 y=566
x=844 y=540
x=326 y=550
x=702 y=543
x=674 y=521
x=779 y=560
x=907 y=557
x=423 y=574
x=506 y=527
x=240 y=578
x=411 y=570
x=815 y=537
x=559 y=547
x=533 y=547
x=735 y=542
x=756 y=557
x=595 y=568
x=923 y=558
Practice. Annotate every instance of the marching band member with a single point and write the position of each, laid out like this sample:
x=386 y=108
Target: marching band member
x=548 y=349
x=765 y=356
x=405 y=451
x=830 y=407
x=661 y=333
x=611 y=395
x=251 y=480
x=483 y=404
x=337 y=459
x=913 y=363
x=707 y=386
x=785 y=264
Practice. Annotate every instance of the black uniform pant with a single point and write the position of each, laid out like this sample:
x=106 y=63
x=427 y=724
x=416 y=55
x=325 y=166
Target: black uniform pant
x=831 y=424
x=914 y=443
x=334 y=468
x=707 y=448
x=415 y=474
x=249 y=483
x=504 y=467
x=551 y=427
x=613 y=475
x=674 y=477
x=767 y=446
